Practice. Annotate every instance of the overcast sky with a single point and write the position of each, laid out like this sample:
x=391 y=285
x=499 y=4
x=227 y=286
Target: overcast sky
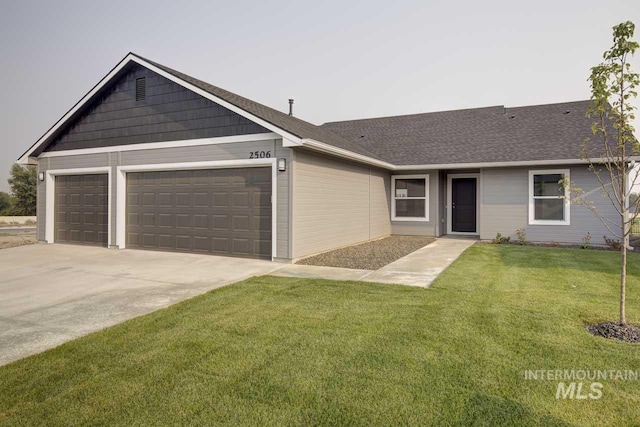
x=339 y=59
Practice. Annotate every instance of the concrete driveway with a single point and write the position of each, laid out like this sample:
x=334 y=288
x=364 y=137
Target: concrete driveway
x=50 y=294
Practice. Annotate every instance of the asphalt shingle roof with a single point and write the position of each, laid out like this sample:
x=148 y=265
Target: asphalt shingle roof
x=491 y=134
x=478 y=135
x=291 y=124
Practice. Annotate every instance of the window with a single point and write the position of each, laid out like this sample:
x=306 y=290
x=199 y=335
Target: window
x=141 y=89
x=410 y=198
x=548 y=197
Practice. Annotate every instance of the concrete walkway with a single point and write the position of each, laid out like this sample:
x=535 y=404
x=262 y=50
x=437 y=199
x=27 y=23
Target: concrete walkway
x=419 y=268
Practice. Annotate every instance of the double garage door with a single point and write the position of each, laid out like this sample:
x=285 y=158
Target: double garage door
x=217 y=211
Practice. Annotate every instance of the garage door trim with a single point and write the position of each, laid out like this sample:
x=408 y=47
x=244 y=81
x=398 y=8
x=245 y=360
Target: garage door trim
x=50 y=185
x=121 y=194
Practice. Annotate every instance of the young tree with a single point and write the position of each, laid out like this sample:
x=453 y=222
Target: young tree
x=5 y=202
x=23 y=190
x=610 y=155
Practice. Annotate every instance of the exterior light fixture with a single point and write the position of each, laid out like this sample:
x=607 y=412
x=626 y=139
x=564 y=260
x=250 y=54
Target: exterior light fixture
x=41 y=176
x=282 y=165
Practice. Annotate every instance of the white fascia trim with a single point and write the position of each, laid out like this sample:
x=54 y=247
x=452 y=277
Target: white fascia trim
x=290 y=138
x=24 y=159
x=340 y=152
x=121 y=189
x=501 y=164
x=166 y=144
x=567 y=202
x=50 y=187
x=394 y=198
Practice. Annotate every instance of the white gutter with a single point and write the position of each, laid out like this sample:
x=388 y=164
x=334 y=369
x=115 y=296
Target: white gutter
x=492 y=164
x=340 y=152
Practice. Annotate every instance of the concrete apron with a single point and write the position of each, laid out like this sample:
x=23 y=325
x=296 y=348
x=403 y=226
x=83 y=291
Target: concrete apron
x=419 y=268
x=50 y=294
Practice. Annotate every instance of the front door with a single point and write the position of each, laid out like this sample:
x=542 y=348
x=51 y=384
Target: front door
x=463 y=205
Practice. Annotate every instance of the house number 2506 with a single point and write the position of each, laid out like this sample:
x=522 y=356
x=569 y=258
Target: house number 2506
x=259 y=154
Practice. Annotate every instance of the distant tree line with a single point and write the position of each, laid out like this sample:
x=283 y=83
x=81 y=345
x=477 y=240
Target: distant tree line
x=21 y=200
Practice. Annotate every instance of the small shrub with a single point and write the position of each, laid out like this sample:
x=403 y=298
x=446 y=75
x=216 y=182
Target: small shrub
x=500 y=239
x=613 y=243
x=522 y=236
x=586 y=241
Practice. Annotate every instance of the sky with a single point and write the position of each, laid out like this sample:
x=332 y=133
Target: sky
x=340 y=60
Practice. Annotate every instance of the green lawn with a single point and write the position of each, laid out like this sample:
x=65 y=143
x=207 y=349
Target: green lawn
x=298 y=351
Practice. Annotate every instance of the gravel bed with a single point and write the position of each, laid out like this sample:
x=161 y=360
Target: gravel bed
x=370 y=255
x=18 y=239
x=613 y=330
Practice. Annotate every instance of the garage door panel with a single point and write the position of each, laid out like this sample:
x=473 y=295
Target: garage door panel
x=222 y=211
x=81 y=209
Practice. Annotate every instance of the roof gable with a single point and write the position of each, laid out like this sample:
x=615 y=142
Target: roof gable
x=169 y=112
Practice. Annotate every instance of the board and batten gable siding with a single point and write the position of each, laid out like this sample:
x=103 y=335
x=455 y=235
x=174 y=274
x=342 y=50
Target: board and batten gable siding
x=337 y=203
x=168 y=113
x=421 y=228
x=202 y=153
x=505 y=207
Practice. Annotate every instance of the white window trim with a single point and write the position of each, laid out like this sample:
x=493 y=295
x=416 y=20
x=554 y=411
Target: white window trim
x=50 y=199
x=121 y=188
x=567 y=203
x=426 y=198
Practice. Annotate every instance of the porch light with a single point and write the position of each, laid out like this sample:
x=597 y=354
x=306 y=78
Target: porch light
x=41 y=176
x=282 y=165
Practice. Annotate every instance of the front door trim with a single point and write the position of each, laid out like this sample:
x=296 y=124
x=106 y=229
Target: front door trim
x=121 y=187
x=451 y=177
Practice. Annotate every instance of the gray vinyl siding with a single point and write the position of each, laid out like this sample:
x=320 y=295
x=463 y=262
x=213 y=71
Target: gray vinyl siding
x=231 y=151
x=505 y=204
x=421 y=228
x=169 y=113
x=337 y=203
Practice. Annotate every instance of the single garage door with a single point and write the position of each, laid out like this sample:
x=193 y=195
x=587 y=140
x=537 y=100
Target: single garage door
x=81 y=209
x=217 y=211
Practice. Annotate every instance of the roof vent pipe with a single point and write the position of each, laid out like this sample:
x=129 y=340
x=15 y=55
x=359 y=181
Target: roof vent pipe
x=291 y=106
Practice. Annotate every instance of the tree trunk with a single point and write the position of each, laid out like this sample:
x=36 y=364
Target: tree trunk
x=623 y=282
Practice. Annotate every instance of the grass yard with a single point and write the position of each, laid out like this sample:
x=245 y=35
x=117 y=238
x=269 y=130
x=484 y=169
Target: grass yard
x=284 y=351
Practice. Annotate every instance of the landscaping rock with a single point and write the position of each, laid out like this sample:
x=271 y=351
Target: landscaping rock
x=616 y=331
x=371 y=255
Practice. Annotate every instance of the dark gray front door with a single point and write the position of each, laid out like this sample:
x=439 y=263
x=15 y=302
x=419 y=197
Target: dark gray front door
x=463 y=205
x=81 y=209
x=216 y=211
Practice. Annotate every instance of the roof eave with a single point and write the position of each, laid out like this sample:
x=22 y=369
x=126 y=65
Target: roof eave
x=515 y=163
x=340 y=152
